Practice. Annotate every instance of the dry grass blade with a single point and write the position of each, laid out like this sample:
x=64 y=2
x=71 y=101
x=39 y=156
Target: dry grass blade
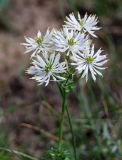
x=42 y=131
x=18 y=153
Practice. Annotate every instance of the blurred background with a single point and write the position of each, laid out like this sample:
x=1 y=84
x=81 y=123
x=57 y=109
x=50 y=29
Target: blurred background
x=29 y=114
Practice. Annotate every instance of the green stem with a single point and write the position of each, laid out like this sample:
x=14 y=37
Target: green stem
x=62 y=120
x=71 y=129
x=62 y=91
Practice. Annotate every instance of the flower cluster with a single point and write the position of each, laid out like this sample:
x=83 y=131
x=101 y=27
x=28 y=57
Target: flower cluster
x=72 y=44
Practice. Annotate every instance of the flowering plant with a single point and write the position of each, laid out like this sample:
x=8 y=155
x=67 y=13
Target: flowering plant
x=66 y=56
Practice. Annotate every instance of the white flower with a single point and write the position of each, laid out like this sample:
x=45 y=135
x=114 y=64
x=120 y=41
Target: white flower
x=86 y=24
x=39 y=43
x=89 y=61
x=47 y=68
x=69 y=41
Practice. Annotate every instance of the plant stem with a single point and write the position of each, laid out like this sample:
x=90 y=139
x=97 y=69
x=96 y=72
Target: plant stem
x=62 y=119
x=62 y=91
x=71 y=129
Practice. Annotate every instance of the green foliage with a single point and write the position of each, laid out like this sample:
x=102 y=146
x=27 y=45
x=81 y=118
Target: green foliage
x=68 y=85
x=55 y=154
x=3 y=137
x=71 y=4
x=4 y=156
x=100 y=7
